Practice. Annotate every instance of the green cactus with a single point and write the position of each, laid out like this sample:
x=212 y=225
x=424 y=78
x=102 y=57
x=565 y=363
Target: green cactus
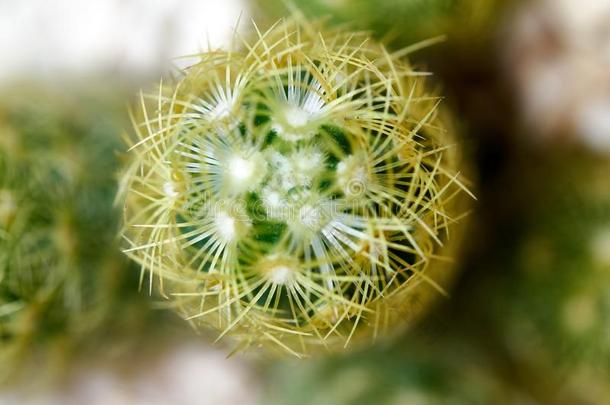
x=295 y=193
x=550 y=299
x=401 y=21
x=415 y=372
x=61 y=280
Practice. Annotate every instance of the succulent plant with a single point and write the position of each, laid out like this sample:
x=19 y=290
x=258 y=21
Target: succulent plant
x=60 y=273
x=410 y=372
x=550 y=297
x=296 y=192
x=404 y=21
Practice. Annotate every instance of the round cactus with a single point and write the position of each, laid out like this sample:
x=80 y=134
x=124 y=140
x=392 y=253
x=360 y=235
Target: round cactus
x=296 y=192
x=553 y=273
x=59 y=273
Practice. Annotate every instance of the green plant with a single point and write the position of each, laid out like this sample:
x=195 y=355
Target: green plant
x=401 y=21
x=410 y=372
x=295 y=192
x=548 y=294
x=61 y=280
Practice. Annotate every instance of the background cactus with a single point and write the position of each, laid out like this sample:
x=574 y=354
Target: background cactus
x=62 y=281
x=415 y=370
x=296 y=192
x=544 y=278
x=564 y=259
x=418 y=20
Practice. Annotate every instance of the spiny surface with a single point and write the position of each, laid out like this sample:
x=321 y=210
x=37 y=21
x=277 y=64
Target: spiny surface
x=292 y=192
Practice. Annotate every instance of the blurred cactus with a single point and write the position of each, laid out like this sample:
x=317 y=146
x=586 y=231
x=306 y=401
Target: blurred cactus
x=60 y=276
x=402 y=21
x=295 y=193
x=412 y=374
x=550 y=299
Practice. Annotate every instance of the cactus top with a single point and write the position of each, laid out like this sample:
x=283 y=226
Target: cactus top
x=292 y=192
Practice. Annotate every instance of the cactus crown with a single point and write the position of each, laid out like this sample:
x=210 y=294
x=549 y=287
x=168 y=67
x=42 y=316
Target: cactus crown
x=292 y=191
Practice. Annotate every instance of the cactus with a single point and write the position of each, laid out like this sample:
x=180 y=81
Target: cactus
x=401 y=21
x=414 y=373
x=550 y=298
x=294 y=193
x=61 y=281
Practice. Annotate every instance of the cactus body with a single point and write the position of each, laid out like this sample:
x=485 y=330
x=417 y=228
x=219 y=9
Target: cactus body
x=61 y=274
x=295 y=192
x=549 y=298
x=412 y=374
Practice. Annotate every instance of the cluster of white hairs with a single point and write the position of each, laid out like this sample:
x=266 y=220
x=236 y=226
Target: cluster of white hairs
x=293 y=192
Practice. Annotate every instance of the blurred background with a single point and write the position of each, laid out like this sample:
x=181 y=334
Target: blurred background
x=527 y=322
